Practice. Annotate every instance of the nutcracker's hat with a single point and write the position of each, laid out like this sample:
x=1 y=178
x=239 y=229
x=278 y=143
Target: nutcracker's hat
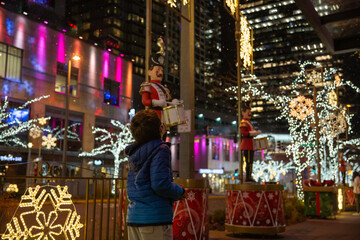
x=156 y=60
x=245 y=105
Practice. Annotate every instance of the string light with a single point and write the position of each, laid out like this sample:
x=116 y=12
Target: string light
x=45 y=228
x=270 y=170
x=333 y=99
x=173 y=3
x=12 y=188
x=246 y=49
x=232 y=5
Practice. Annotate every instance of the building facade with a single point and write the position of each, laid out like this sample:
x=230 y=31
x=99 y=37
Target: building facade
x=34 y=62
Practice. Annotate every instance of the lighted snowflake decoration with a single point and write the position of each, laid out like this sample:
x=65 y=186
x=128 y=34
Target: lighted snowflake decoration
x=35 y=132
x=314 y=77
x=191 y=196
x=333 y=98
x=38 y=231
x=333 y=124
x=49 y=141
x=34 y=221
x=43 y=120
x=301 y=107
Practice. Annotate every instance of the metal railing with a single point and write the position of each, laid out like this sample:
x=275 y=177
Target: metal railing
x=100 y=202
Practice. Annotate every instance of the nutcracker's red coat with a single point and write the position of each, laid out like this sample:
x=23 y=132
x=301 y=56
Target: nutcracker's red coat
x=147 y=97
x=246 y=127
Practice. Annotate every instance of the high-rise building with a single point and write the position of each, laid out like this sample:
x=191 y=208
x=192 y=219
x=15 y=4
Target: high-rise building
x=282 y=38
x=120 y=26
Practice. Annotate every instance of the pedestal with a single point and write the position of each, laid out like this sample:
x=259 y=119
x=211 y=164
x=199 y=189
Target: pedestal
x=254 y=209
x=320 y=201
x=190 y=215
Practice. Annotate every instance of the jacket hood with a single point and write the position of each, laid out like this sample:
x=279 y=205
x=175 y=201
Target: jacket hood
x=140 y=153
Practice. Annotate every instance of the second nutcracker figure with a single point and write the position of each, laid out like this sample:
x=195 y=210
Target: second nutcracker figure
x=247 y=134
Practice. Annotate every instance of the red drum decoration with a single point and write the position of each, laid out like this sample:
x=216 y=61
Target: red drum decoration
x=255 y=209
x=349 y=197
x=190 y=215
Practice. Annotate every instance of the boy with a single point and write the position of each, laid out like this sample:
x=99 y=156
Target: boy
x=150 y=188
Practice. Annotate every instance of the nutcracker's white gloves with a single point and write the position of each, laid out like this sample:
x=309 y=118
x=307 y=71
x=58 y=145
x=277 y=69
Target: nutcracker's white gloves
x=255 y=133
x=158 y=103
x=176 y=102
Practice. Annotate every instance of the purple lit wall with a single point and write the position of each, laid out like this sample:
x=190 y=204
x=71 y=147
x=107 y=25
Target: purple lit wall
x=204 y=155
x=43 y=47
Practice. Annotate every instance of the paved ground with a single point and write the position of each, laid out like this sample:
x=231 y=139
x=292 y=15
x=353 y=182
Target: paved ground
x=344 y=227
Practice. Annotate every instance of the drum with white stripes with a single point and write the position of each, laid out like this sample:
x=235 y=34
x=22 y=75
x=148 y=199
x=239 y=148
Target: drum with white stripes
x=254 y=209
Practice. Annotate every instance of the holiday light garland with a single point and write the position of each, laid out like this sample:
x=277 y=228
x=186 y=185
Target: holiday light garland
x=113 y=143
x=232 y=5
x=246 y=49
x=31 y=210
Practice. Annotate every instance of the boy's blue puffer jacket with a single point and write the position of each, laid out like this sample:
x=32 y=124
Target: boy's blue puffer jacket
x=149 y=185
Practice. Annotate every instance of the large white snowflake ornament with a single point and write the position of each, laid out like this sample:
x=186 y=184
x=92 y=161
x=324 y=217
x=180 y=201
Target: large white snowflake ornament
x=333 y=124
x=37 y=221
x=49 y=141
x=314 y=77
x=301 y=107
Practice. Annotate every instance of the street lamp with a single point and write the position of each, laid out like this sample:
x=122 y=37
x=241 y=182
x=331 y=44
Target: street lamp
x=29 y=165
x=67 y=91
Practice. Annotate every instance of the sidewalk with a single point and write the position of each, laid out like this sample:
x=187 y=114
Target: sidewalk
x=344 y=227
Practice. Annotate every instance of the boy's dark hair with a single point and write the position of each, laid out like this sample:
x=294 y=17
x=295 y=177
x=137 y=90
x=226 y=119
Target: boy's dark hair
x=145 y=126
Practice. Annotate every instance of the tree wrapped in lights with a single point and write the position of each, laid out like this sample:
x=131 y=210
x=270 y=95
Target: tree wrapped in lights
x=9 y=129
x=113 y=143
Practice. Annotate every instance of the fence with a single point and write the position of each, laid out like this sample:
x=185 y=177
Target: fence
x=31 y=206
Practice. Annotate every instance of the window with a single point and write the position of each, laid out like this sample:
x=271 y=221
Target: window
x=111 y=92
x=61 y=77
x=56 y=125
x=10 y=62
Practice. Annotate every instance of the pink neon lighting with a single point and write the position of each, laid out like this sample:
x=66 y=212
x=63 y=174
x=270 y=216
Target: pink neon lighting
x=106 y=65
x=122 y=55
x=19 y=35
x=41 y=48
x=46 y=22
x=61 y=48
x=118 y=75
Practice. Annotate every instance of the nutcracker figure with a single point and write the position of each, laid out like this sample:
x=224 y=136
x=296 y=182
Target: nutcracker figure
x=154 y=94
x=247 y=134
